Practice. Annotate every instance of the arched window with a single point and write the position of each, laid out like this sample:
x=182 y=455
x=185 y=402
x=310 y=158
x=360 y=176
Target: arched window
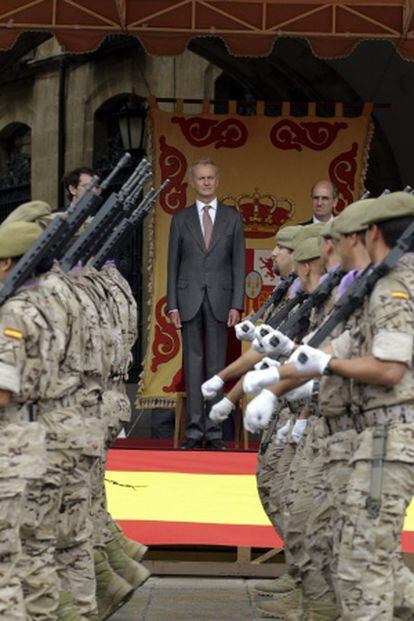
x=15 y=166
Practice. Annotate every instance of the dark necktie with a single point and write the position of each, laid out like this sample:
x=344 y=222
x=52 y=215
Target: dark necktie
x=208 y=225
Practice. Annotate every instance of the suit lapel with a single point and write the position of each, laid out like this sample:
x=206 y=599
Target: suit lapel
x=193 y=223
x=220 y=224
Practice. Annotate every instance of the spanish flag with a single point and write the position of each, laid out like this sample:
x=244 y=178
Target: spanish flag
x=194 y=498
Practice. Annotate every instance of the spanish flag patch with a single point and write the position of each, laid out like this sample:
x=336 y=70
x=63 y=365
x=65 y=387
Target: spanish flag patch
x=399 y=295
x=11 y=333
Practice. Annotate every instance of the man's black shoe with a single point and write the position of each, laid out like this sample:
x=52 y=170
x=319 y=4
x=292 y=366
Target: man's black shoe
x=216 y=445
x=191 y=445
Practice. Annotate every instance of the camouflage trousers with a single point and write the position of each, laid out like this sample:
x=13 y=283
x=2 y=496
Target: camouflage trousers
x=322 y=529
x=116 y=410
x=267 y=464
x=301 y=493
x=372 y=579
x=56 y=537
x=12 y=606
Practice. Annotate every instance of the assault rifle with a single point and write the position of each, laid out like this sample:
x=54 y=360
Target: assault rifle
x=58 y=233
x=117 y=206
x=274 y=298
x=284 y=312
x=126 y=226
x=296 y=326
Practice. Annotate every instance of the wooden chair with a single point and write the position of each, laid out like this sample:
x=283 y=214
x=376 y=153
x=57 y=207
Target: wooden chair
x=179 y=422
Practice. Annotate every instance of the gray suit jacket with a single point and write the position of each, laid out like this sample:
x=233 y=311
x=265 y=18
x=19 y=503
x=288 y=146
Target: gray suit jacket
x=192 y=269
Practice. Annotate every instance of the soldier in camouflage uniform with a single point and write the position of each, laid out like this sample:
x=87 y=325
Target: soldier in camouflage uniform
x=110 y=292
x=371 y=578
x=289 y=499
x=22 y=446
x=48 y=392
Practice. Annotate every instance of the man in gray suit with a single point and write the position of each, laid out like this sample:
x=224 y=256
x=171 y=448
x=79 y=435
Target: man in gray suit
x=205 y=292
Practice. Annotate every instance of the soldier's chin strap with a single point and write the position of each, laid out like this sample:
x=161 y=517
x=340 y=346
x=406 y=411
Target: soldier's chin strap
x=379 y=449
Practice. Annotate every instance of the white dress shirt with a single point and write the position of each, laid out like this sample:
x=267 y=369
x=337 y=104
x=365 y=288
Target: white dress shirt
x=212 y=211
x=316 y=221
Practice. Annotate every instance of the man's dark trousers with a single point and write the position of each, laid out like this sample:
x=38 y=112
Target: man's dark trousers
x=206 y=338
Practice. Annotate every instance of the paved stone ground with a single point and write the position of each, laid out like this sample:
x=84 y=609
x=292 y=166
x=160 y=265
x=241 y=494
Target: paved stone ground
x=191 y=599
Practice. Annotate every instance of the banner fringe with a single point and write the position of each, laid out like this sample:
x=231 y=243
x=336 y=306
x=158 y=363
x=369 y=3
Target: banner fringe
x=151 y=257
x=365 y=157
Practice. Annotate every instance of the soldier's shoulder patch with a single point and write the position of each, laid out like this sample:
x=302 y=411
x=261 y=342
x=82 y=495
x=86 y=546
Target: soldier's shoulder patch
x=400 y=295
x=12 y=333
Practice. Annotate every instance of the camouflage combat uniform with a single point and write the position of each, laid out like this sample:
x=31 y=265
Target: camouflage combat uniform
x=372 y=579
x=23 y=458
x=269 y=454
x=48 y=392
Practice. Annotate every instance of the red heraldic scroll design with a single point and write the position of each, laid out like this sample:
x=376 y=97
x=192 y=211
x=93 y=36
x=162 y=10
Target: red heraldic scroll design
x=288 y=135
x=166 y=343
x=199 y=132
x=342 y=171
x=173 y=166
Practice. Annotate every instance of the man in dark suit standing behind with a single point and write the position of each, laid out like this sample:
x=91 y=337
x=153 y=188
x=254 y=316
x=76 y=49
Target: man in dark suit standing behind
x=205 y=292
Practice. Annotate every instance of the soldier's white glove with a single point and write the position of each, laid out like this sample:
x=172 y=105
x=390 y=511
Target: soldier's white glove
x=301 y=392
x=310 y=360
x=298 y=430
x=247 y=426
x=255 y=380
x=282 y=434
x=221 y=410
x=266 y=363
x=211 y=387
x=259 y=411
x=257 y=346
x=262 y=331
x=245 y=330
x=277 y=344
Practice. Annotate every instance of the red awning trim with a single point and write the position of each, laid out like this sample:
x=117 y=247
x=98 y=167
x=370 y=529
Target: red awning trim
x=247 y=27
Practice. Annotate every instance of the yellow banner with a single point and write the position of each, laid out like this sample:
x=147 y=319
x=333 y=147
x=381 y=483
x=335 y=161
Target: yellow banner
x=268 y=165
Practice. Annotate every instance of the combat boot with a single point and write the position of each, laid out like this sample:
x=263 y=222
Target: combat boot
x=284 y=584
x=281 y=605
x=112 y=591
x=323 y=609
x=131 y=571
x=134 y=549
x=67 y=608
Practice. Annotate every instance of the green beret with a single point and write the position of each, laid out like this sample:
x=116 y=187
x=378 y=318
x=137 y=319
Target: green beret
x=328 y=231
x=17 y=237
x=388 y=207
x=285 y=236
x=351 y=219
x=29 y=212
x=307 y=250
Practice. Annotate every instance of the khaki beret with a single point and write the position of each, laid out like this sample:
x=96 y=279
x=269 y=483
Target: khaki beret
x=388 y=207
x=307 y=250
x=17 y=237
x=351 y=219
x=29 y=212
x=328 y=231
x=285 y=236
x=308 y=231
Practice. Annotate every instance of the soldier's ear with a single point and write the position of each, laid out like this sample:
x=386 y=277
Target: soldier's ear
x=6 y=265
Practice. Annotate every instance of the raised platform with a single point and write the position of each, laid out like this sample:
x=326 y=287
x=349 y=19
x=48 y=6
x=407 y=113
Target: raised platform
x=199 y=511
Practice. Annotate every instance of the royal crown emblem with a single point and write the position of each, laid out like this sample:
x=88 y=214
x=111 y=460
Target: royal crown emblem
x=262 y=214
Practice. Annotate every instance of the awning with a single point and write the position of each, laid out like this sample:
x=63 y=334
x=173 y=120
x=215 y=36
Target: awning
x=248 y=27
